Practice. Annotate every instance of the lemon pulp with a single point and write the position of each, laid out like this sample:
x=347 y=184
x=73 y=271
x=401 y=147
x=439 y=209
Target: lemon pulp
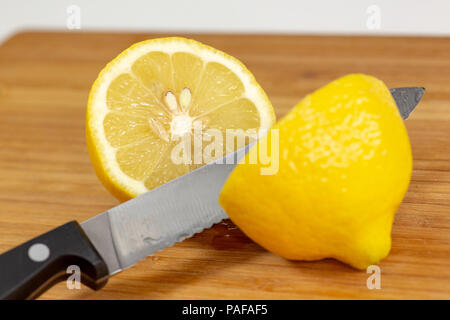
x=153 y=94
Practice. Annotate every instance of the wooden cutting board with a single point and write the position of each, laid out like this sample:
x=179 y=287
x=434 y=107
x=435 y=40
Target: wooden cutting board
x=46 y=178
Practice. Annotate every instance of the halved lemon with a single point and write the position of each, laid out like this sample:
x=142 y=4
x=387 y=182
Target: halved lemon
x=151 y=96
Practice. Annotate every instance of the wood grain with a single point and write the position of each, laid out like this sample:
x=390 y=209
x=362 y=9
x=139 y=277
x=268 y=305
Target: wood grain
x=47 y=179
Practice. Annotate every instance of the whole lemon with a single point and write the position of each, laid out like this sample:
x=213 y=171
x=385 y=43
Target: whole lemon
x=344 y=167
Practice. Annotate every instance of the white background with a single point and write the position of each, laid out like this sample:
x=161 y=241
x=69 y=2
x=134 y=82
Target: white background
x=412 y=17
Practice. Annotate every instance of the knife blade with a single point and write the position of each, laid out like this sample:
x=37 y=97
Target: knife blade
x=118 y=238
x=407 y=99
x=169 y=213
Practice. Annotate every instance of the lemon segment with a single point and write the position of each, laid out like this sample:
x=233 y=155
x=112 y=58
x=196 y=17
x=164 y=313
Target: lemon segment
x=344 y=167
x=153 y=95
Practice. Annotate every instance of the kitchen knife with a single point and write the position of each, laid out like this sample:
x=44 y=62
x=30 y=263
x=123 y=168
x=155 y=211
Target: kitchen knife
x=118 y=238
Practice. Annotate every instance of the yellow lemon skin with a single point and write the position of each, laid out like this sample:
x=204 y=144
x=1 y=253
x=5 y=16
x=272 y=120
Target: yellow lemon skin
x=117 y=190
x=344 y=167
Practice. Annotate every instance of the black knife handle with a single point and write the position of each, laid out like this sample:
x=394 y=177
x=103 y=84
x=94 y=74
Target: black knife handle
x=31 y=268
